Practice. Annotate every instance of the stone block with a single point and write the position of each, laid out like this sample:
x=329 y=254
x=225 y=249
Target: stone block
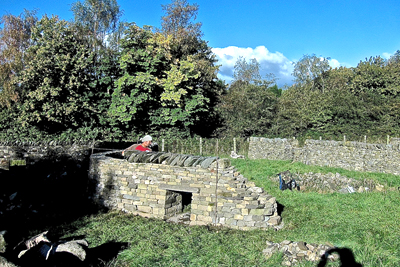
x=132 y=185
x=275 y=220
x=241 y=223
x=248 y=218
x=250 y=223
x=130 y=207
x=232 y=222
x=142 y=186
x=257 y=218
x=236 y=211
x=145 y=209
x=226 y=209
x=238 y=217
x=258 y=212
x=158 y=211
x=206 y=219
x=161 y=197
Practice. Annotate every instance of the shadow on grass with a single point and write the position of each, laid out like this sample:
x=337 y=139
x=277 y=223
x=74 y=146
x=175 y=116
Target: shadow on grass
x=346 y=257
x=105 y=253
x=48 y=195
x=280 y=208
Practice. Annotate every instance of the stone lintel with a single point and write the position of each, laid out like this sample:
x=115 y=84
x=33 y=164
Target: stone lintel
x=179 y=188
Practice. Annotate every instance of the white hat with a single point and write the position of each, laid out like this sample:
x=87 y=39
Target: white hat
x=146 y=138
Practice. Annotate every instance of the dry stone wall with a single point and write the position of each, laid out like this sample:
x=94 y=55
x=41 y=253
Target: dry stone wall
x=217 y=195
x=356 y=156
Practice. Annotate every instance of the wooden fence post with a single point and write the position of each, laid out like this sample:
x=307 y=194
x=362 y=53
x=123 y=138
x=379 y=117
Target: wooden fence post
x=181 y=146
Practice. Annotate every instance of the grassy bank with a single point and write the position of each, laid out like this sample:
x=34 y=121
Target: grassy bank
x=366 y=223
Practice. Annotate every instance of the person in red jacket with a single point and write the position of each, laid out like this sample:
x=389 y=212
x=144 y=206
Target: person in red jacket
x=144 y=146
x=146 y=142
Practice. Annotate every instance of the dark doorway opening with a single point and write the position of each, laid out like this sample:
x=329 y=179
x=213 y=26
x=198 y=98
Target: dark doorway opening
x=177 y=202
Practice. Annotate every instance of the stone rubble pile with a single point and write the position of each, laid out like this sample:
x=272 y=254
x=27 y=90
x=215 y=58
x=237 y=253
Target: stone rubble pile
x=294 y=252
x=329 y=183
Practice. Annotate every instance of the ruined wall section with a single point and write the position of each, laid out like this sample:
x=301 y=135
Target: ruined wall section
x=219 y=196
x=30 y=153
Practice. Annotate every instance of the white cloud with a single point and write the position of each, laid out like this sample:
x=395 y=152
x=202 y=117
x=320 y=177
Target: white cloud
x=334 y=63
x=275 y=63
x=386 y=55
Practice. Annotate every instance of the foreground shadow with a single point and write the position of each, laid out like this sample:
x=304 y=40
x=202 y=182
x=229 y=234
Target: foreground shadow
x=105 y=253
x=95 y=257
x=346 y=257
x=51 y=194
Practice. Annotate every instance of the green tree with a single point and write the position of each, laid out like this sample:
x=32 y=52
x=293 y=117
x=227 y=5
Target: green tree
x=311 y=69
x=306 y=112
x=179 y=23
x=247 y=71
x=248 y=107
x=375 y=75
x=99 y=20
x=180 y=26
x=15 y=35
x=58 y=80
x=158 y=92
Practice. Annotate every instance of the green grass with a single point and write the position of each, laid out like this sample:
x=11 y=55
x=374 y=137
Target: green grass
x=367 y=223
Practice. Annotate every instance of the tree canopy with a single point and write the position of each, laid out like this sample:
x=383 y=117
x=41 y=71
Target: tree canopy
x=99 y=77
x=14 y=41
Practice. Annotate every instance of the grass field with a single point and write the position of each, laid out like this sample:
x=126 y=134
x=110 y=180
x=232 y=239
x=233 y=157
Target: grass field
x=366 y=223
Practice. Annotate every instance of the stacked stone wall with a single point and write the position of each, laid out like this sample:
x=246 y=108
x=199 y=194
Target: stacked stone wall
x=358 y=156
x=266 y=148
x=220 y=196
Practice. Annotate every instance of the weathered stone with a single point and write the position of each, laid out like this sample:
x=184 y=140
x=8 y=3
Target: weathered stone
x=302 y=246
x=293 y=254
x=76 y=247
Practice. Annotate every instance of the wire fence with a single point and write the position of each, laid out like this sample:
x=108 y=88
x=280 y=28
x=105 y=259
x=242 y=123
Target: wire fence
x=200 y=146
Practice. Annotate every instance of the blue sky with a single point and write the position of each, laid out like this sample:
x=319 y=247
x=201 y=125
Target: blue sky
x=275 y=32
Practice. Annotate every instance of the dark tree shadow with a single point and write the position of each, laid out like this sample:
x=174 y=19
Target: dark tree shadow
x=105 y=253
